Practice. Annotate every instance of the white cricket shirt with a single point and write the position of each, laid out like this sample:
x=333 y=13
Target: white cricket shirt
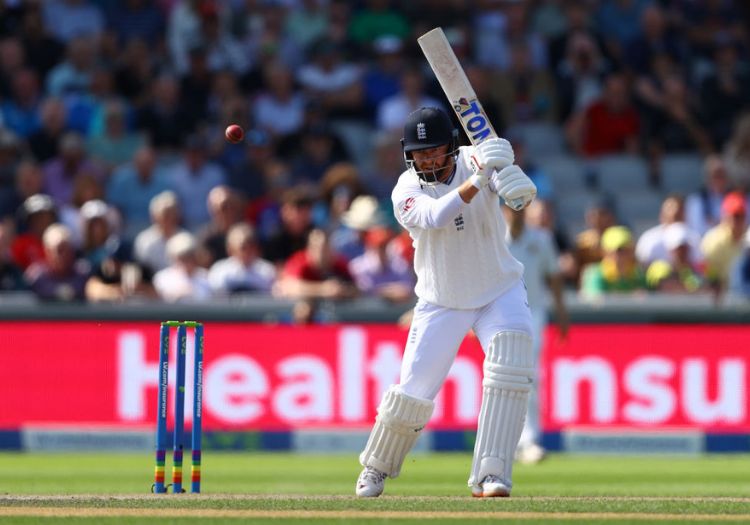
x=461 y=258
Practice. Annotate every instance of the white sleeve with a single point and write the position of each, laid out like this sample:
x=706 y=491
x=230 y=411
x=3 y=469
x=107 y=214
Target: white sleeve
x=415 y=209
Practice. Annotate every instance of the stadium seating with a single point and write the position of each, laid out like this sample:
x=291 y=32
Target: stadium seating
x=621 y=173
x=541 y=139
x=681 y=173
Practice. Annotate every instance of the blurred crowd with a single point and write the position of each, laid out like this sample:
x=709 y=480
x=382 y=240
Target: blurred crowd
x=116 y=181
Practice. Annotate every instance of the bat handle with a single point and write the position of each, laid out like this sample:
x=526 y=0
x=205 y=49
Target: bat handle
x=516 y=204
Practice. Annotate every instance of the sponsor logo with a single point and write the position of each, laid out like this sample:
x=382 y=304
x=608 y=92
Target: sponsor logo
x=459 y=222
x=408 y=204
x=473 y=119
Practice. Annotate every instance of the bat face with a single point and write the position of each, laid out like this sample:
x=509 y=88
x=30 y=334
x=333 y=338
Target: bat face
x=456 y=86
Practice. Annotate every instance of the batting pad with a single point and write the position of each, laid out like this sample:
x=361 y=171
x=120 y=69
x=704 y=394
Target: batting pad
x=401 y=418
x=508 y=373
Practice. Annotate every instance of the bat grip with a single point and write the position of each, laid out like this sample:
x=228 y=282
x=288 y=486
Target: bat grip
x=516 y=204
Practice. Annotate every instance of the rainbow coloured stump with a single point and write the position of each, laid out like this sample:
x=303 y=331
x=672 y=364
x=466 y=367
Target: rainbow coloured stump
x=159 y=486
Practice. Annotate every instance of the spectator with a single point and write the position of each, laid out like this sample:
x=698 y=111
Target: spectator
x=225 y=208
x=43 y=51
x=318 y=152
x=293 y=228
x=610 y=125
x=116 y=144
x=268 y=39
x=98 y=237
x=53 y=116
x=70 y=163
x=12 y=60
x=619 y=21
x=10 y=156
x=223 y=51
x=195 y=84
x=85 y=188
x=542 y=278
x=134 y=72
x=73 y=76
x=703 y=208
x=722 y=244
x=38 y=213
x=246 y=176
x=388 y=164
x=652 y=244
x=655 y=37
x=243 y=270
x=279 y=109
x=118 y=279
x=61 y=277
x=578 y=19
x=348 y=239
x=379 y=272
x=315 y=273
x=133 y=185
x=739 y=281
x=580 y=75
x=193 y=178
x=28 y=181
x=151 y=244
x=723 y=92
x=599 y=217
x=675 y=273
x=675 y=125
x=377 y=19
x=11 y=276
x=20 y=113
x=183 y=280
x=307 y=23
x=737 y=153
x=392 y=112
x=523 y=93
x=331 y=81
x=341 y=208
x=618 y=271
x=382 y=79
x=184 y=31
x=166 y=120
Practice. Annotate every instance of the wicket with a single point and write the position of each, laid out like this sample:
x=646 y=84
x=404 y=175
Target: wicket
x=179 y=421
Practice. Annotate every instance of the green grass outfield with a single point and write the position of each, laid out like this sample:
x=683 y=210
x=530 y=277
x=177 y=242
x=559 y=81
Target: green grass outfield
x=286 y=488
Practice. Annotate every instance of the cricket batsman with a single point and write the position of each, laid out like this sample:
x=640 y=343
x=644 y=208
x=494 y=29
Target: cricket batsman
x=447 y=199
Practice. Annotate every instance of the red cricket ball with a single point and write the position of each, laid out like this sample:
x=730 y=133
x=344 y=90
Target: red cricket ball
x=234 y=133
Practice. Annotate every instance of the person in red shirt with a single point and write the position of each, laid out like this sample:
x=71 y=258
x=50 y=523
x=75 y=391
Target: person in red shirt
x=610 y=125
x=39 y=213
x=314 y=274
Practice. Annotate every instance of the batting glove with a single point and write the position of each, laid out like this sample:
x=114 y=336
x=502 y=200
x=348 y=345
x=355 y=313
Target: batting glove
x=491 y=155
x=514 y=187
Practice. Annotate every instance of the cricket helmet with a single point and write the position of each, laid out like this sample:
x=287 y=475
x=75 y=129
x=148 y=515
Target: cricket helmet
x=428 y=128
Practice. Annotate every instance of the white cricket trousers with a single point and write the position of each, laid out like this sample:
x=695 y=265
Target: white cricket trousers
x=436 y=333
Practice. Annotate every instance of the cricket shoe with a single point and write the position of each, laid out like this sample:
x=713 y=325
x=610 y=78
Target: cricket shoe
x=491 y=487
x=370 y=483
x=530 y=454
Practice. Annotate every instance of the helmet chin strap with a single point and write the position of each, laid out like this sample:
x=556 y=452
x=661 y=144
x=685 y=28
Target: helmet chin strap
x=431 y=177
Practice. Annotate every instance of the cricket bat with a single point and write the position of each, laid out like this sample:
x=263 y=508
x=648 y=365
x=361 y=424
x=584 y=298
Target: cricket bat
x=458 y=90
